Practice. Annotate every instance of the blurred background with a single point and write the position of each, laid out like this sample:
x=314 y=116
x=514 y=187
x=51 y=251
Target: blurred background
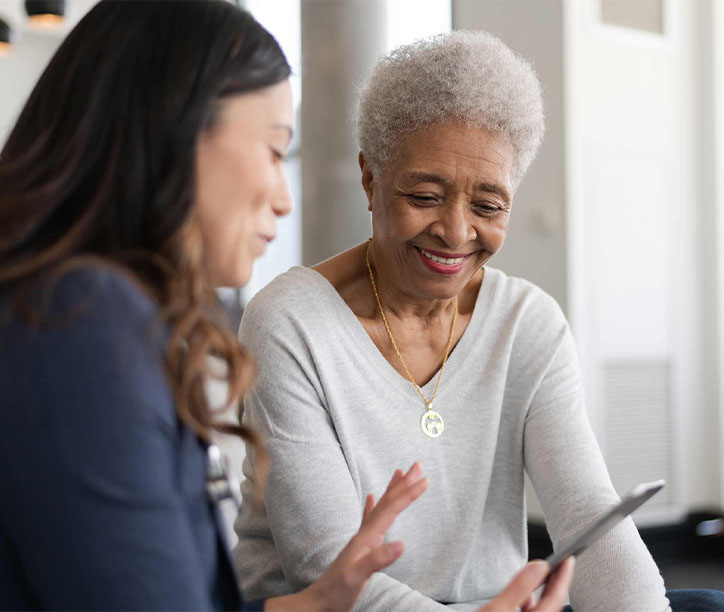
x=620 y=218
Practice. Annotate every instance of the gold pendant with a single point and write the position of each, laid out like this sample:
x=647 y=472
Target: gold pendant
x=432 y=423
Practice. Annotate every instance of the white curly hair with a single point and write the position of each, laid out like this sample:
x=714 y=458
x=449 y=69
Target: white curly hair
x=468 y=76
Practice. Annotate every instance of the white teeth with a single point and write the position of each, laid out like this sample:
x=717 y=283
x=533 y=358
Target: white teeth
x=442 y=260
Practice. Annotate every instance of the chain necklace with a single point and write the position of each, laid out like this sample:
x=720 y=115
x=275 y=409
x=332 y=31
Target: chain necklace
x=431 y=421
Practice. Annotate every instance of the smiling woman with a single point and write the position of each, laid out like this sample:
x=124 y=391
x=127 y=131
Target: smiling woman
x=411 y=347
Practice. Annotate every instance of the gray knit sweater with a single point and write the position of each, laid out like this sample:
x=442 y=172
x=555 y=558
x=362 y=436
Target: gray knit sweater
x=339 y=419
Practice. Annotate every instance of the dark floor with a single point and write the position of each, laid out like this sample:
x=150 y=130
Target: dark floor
x=688 y=560
x=694 y=574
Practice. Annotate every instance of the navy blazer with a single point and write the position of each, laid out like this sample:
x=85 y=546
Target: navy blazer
x=102 y=489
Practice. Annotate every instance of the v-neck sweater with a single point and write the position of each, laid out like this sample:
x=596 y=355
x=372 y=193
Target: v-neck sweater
x=338 y=419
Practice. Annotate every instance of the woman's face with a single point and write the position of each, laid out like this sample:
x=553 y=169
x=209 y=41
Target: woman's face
x=240 y=184
x=446 y=195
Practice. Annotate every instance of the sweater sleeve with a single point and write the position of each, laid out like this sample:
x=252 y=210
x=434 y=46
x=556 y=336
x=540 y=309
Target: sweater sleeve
x=311 y=503
x=568 y=473
x=92 y=502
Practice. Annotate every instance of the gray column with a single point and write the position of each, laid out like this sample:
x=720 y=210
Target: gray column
x=341 y=39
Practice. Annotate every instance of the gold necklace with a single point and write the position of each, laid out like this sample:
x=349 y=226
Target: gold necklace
x=431 y=421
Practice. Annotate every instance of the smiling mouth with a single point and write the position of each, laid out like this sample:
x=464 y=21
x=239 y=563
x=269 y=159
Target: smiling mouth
x=445 y=261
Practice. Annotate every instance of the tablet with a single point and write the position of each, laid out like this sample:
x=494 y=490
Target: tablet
x=632 y=500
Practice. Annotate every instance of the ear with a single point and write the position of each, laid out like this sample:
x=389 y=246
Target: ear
x=367 y=179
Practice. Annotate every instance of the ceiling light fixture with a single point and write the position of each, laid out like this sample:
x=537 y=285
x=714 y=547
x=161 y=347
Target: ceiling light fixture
x=45 y=14
x=6 y=35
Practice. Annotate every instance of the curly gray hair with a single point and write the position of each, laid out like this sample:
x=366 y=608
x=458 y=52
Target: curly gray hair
x=469 y=76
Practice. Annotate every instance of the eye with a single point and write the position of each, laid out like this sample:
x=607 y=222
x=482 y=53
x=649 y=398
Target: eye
x=486 y=208
x=423 y=200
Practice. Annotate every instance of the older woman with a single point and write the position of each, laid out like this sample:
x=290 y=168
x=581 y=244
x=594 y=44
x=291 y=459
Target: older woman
x=409 y=347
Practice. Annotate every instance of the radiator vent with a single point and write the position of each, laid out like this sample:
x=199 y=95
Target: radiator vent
x=638 y=427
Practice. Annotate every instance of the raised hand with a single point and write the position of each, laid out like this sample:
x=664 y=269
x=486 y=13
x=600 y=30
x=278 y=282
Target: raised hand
x=519 y=594
x=340 y=586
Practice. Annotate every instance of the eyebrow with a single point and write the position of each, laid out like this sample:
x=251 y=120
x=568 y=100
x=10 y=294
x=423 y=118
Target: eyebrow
x=441 y=180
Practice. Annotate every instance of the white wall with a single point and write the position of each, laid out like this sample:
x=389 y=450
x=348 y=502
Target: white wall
x=712 y=16
x=637 y=185
x=18 y=73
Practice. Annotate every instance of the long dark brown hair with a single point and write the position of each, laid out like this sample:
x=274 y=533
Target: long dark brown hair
x=100 y=166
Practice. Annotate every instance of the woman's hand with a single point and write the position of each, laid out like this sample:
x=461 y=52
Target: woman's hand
x=340 y=586
x=519 y=593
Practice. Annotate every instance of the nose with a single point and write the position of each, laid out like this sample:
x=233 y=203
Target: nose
x=282 y=202
x=453 y=226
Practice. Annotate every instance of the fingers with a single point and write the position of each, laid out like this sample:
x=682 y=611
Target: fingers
x=398 y=496
x=557 y=587
x=519 y=589
x=528 y=604
x=377 y=518
x=395 y=493
x=519 y=593
x=369 y=506
x=376 y=559
x=396 y=477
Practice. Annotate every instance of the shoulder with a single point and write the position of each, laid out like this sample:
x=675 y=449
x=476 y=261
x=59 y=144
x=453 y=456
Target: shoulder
x=93 y=308
x=96 y=292
x=523 y=308
x=94 y=339
x=514 y=293
x=296 y=299
x=88 y=293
